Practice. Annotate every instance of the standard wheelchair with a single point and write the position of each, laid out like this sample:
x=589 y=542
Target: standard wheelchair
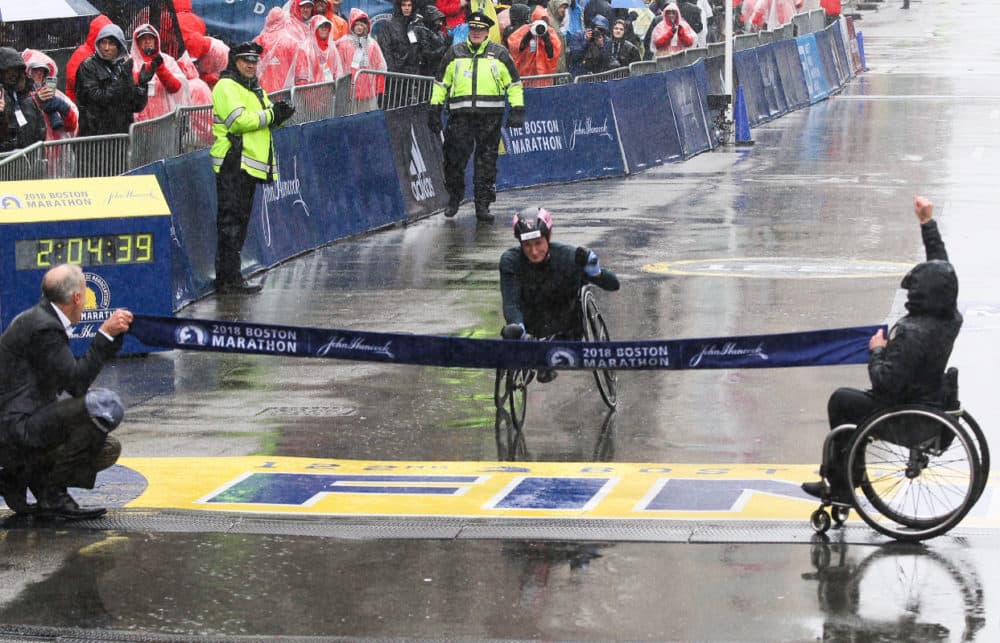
x=510 y=391
x=914 y=471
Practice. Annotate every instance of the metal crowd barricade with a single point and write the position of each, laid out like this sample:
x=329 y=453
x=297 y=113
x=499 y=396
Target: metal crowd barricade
x=546 y=80
x=642 y=68
x=611 y=74
x=313 y=102
x=153 y=140
x=342 y=96
x=373 y=89
x=745 y=41
x=26 y=164
x=716 y=49
x=87 y=157
x=194 y=126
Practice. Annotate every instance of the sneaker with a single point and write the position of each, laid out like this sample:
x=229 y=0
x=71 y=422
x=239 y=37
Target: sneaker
x=817 y=489
x=547 y=375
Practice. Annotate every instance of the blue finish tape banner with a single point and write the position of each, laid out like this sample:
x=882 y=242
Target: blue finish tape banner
x=648 y=135
x=812 y=68
x=811 y=348
x=569 y=134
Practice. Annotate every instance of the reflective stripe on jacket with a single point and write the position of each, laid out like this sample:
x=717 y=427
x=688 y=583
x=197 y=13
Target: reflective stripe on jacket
x=480 y=79
x=237 y=111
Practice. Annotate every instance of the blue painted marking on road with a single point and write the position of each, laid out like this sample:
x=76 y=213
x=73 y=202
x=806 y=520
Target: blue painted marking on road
x=714 y=495
x=300 y=488
x=551 y=493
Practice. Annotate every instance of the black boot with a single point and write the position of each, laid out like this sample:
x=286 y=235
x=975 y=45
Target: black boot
x=483 y=213
x=452 y=208
x=55 y=502
x=15 y=494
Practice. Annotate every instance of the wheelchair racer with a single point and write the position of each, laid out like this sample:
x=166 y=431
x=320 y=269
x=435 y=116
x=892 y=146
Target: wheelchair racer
x=540 y=282
x=907 y=367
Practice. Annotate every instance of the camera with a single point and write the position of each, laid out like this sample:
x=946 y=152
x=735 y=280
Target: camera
x=539 y=27
x=51 y=82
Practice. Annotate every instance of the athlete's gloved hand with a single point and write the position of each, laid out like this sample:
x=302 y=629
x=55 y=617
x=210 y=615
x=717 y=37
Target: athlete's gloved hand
x=587 y=259
x=513 y=331
x=515 y=118
x=434 y=119
x=282 y=112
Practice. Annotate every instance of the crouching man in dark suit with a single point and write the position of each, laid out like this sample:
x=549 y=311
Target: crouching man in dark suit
x=55 y=429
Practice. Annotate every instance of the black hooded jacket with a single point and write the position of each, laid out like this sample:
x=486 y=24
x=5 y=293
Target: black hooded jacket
x=910 y=369
x=14 y=136
x=401 y=54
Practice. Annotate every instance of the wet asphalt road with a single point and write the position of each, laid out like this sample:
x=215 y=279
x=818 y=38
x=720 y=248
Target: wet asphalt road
x=829 y=185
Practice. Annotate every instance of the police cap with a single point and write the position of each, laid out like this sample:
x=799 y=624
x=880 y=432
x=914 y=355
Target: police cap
x=249 y=50
x=479 y=20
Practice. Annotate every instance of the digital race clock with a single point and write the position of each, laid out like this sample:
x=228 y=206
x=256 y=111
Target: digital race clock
x=85 y=251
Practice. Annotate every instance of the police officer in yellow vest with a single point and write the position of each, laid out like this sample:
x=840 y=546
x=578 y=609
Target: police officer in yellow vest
x=242 y=156
x=475 y=79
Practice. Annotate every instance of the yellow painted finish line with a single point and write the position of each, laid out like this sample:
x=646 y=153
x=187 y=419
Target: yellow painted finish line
x=305 y=486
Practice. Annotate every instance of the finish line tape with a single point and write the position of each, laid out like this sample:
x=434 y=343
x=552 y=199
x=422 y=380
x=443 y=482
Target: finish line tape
x=810 y=348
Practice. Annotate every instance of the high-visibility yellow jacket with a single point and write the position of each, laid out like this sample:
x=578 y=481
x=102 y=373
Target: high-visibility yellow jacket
x=478 y=78
x=237 y=113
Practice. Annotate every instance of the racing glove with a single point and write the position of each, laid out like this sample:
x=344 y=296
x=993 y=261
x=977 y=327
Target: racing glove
x=587 y=259
x=513 y=331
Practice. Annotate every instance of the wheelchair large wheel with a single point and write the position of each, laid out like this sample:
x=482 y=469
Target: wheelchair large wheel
x=972 y=427
x=597 y=331
x=517 y=388
x=509 y=438
x=914 y=471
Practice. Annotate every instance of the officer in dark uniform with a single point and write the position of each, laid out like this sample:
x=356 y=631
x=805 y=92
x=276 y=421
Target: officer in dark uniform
x=475 y=80
x=909 y=366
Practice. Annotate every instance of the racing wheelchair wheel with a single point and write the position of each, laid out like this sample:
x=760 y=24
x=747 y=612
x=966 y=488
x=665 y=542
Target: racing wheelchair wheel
x=595 y=330
x=915 y=472
x=510 y=392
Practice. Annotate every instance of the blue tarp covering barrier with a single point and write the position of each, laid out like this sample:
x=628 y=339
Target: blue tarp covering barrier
x=773 y=89
x=824 y=42
x=348 y=175
x=810 y=348
x=569 y=134
x=746 y=69
x=812 y=67
x=649 y=136
x=793 y=80
x=686 y=88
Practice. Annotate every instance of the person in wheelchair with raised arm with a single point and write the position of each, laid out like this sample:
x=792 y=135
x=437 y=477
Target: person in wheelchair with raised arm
x=908 y=367
x=540 y=282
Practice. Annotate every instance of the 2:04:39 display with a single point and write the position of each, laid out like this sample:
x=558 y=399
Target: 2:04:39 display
x=84 y=251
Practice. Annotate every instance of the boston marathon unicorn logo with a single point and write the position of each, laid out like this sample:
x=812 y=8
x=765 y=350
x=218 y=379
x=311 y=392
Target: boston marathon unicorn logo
x=561 y=357
x=191 y=335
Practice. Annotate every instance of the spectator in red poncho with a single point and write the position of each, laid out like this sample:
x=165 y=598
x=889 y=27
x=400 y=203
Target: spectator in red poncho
x=288 y=59
x=832 y=9
x=168 y=89
x=358 y=50
x=535 y=55
x=673 y=34
x=332 y=13
x=327 y=56
x=213 y=61
x=62 y=116
x=454 y=12
x=83 y=52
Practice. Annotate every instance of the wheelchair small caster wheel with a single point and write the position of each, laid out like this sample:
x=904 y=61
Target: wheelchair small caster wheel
x=839 y=515
x=820 y=521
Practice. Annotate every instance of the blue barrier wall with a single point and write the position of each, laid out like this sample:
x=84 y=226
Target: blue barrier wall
x=349 y=175
x=813 y=68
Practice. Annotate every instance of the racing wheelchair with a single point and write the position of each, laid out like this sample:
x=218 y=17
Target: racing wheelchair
x=510 y=391
x=913 y=471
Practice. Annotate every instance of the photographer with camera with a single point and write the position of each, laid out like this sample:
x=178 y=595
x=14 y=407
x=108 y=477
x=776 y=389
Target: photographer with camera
x=596 y=57
x=535 y=47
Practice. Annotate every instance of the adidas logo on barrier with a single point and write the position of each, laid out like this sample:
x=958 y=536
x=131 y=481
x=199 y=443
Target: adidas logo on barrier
x=420 y=183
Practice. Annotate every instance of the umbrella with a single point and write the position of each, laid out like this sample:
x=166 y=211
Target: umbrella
x=52 y=24
x=628 y=4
